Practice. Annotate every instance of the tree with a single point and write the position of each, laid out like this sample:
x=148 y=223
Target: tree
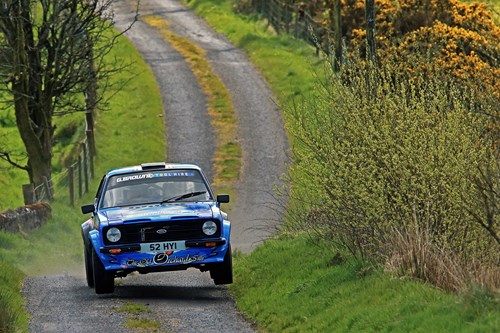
x=51 y=53
x=370 y=30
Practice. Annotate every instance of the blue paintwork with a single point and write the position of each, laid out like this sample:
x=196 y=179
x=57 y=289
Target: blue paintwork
x=116 y=216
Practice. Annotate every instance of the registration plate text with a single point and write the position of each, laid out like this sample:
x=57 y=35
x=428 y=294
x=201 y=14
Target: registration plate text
x=163 y=246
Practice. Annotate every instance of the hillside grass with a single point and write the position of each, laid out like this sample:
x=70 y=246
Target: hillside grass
x=130 y=131
x=292 y=284
x=298 y=285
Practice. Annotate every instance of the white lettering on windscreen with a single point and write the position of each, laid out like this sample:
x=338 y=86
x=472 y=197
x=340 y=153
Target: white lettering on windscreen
x=134 y=177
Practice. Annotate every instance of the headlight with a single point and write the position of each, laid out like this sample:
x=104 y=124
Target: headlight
x=114 y=235
x=209 y=228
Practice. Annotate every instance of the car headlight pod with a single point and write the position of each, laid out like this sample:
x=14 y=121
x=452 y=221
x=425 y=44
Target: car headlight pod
x=209 y=228
x=113 y=234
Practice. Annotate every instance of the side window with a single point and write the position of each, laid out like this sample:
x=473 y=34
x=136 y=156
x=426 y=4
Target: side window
x=99 y=189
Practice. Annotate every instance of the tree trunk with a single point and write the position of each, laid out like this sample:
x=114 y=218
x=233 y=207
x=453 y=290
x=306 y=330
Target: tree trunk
x=371 y=54
x=33 y=116
x=91 y=98
x=337 y=31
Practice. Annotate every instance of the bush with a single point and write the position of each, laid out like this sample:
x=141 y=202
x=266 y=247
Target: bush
x=385 y=152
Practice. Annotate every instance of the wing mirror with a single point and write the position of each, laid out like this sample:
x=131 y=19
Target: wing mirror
x=223 y=198
x=88 y=209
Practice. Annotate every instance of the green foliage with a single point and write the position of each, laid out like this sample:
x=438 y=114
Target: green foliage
x=10 y=178
x=286 y=63
x=52 y=247
x=400 y=152
x=294 y=285
x=381 y=152
x=133 y=112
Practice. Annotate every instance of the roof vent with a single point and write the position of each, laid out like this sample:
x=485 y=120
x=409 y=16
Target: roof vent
x=153 y=166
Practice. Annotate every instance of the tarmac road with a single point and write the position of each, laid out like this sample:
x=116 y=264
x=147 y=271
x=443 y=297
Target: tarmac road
x=185 y=301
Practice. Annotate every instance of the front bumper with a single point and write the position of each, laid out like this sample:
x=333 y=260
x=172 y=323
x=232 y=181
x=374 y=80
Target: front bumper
x=211 y=243
x=198 y=253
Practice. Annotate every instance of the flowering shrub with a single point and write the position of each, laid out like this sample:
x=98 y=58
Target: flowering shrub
x=439 y=37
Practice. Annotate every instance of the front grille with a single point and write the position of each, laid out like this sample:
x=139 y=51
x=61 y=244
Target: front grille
x=148 y=232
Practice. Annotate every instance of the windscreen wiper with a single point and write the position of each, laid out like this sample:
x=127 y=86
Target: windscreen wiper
x=183 y=196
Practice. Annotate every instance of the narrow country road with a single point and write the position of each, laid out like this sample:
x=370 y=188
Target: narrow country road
x=185 y=301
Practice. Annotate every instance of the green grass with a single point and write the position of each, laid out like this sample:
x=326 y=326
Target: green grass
x=13 y=318
x=288 y=64
x=135 y=112
x=137 y=318
x=292 y=285
x=11 y=178
x=129 y=132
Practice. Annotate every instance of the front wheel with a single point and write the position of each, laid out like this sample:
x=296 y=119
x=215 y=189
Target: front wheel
x=89 y=271
x=222 y=273
x=104 y=281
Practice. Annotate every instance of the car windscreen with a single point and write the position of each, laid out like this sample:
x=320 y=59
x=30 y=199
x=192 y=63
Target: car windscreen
x=155 y=187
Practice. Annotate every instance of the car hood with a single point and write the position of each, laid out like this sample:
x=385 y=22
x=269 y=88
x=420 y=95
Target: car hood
x=159 y=212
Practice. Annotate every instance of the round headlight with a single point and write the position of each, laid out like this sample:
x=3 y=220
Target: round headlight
x=209 y=228
x=114 y=235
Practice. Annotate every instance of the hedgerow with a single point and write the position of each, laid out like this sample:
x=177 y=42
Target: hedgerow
x=442 y=37
x=387 y=154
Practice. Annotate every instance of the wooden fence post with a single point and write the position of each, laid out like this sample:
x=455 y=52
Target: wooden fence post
x=91 y=162
x=80 y=177
x=48 y=190
x=371 y=54
x=85 y=168
x=29 y=194
x=71 y=185
x=337 y=34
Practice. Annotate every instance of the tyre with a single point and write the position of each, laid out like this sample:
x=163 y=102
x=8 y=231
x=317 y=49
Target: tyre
x=223 y=273
x=104 y=281
x=89 y=271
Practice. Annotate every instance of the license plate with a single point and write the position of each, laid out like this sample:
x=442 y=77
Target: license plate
x=163 y=247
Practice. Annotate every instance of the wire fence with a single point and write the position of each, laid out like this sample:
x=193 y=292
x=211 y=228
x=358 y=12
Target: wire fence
x=283 y=16
x=291 y=18
x=75 y=178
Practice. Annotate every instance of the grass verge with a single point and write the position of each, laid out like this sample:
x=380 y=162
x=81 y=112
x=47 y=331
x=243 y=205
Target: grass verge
x=297 y=285
x=134 y=112
x=13 y=318
x=291 y=285
x=138 y=318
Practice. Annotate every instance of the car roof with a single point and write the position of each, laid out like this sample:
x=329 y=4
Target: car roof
x=157 y=166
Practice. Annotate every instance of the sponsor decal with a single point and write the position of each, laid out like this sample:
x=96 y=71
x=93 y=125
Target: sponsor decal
x=134 y=177
x=165 y=258
x=174 y=174
x=140 y=263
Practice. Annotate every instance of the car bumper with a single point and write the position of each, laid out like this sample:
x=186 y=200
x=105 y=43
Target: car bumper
x=189 y=244
x=197 y=253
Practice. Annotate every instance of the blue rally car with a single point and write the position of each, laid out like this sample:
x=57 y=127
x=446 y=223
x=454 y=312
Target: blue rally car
x=152 y=218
